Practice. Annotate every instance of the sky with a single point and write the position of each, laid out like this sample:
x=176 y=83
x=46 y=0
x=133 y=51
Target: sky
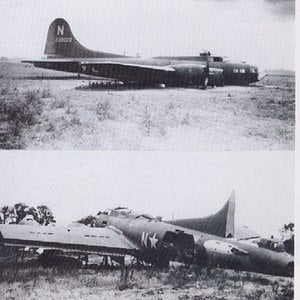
x=260 y=32
x=183 y=184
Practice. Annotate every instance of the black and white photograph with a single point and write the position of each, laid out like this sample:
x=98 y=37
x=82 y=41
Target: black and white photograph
x=148 y=149
x=140 y=75
x=147 y=225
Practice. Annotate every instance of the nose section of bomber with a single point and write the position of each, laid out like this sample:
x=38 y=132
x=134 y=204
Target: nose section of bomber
x=253 y=74
x=290 y=269
x=273 y=263
x=284 y=265
x=243 y=257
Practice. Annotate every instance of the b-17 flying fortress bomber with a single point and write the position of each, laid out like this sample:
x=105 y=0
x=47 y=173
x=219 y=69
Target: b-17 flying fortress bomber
x=138 y=118
x=65 y=53
x=119 y=232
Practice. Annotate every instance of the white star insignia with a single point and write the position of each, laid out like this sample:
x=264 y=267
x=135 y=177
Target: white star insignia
x=153 y=240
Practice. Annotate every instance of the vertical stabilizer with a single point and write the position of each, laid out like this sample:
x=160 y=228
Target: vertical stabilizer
x=220 y=224
x=61 y=43
x=230 y=215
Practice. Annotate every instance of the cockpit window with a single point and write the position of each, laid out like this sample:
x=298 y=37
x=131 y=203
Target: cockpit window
x=253 y=70
x=242 y=70
x=235 y=70
x=218 y=59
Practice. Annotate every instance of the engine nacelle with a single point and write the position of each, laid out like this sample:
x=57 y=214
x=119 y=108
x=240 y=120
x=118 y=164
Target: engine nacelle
x=189 y=74
x=216 y=77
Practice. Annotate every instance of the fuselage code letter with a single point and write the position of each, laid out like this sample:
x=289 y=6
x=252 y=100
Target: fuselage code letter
x=60 y=30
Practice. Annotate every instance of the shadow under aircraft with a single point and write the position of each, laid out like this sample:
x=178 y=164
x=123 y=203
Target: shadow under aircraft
x=64 y=53
x=120 y=232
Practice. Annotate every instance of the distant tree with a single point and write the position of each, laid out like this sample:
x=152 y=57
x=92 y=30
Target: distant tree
x=289 y=227
x=89 y=221
x=45 y=216
x=4 y=213
x=20 y=211
x=15 y=214
x=10 y=214
x=287 y=233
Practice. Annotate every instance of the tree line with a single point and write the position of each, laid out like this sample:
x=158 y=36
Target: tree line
x=42 y=214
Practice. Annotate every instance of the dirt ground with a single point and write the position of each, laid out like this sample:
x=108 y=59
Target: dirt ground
x=65 y=118
x=174 y=283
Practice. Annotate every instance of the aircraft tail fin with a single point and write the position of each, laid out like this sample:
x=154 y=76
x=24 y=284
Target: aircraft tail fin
x=220 y=224
x=61 y=43
x=229 y=212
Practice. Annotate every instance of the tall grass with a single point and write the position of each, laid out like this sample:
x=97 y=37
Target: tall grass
x=187 y=282
x=17 y=112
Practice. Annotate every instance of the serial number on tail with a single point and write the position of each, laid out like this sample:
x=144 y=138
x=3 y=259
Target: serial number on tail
x=63 y=40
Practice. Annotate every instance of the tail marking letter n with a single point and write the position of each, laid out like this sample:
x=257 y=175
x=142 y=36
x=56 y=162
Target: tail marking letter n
x=60 y=30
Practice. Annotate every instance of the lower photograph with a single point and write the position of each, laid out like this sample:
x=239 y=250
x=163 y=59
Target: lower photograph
x=147 y=225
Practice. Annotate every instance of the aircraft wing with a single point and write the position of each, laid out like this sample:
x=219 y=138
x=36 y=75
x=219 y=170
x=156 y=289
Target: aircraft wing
x=82 y=239
x=66 y=65
x=127 y=71
x=123 y=71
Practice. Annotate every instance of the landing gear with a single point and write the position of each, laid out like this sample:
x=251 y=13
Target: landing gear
x=221 y=83
x=205 y=83
x=161 y=86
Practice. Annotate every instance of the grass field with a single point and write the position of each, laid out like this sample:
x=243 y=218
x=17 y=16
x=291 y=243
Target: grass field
x=64 y=118
x=174 y=283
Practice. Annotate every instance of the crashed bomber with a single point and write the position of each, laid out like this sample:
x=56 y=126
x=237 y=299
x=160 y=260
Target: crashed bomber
x=65 y=53
x=204 y=241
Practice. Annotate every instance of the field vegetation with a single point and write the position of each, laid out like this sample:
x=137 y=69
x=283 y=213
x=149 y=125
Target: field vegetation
x=54 y=115
x=177 y=282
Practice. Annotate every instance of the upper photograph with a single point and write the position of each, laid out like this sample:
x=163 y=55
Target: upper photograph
x=147 y=75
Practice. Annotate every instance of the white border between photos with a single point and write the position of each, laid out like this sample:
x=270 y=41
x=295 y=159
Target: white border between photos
x=297 y=155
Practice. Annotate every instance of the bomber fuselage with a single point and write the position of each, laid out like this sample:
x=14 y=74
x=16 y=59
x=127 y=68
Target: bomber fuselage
x=155 y=236
x=233 y=73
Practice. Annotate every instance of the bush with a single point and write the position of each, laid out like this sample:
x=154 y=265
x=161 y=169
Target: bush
x=46 y=93
x=4 y=90
x=103 y=111
x=17 y=112
x=59 y=103
x=30 y=109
